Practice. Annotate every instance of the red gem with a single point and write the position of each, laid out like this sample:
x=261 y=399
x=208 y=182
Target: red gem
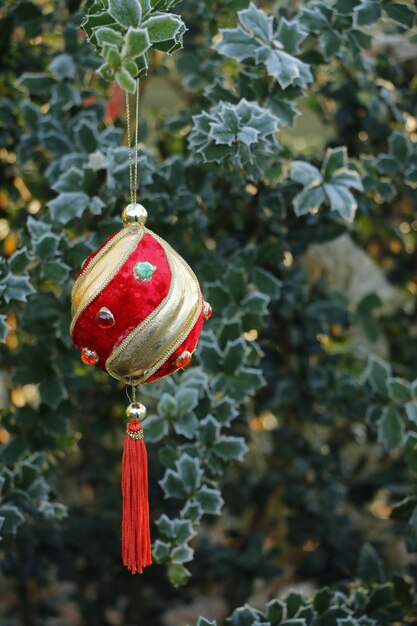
x=89 y=357
x=184 y=359
x=105 y=318
x=208 y=311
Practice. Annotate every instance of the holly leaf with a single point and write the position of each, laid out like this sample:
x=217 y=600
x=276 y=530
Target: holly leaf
x=378 y=372
x=237 y=44
x=210 y=500
x=367 y=13
x=370 y=567
x=411 y=412
x=309 y=201
x=67 y=206
x=341 y=201
x=390 y=429
x=257 y=22
x=230 y=448
x=125 y=80
x=178 y=574
x=245 y=127
x=401 y=13
x=62 y=66
x=172 y=485
x=10 y=519
x=182 y=554
x=137 y=42
x=125 y=12
x=254 y=39
x=155 y=428
x=16 y=288
x=399 y=389
x=305 y=173
x=189 y=472
x=291 y=35
x=163 y=27
x=108 y=36
x=161 y=551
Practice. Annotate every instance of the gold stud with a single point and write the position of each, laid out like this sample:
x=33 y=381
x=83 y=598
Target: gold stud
x=136 y=410
x=134 y=216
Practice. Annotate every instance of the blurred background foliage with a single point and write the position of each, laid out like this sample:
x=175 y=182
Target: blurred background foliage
x=278 y=155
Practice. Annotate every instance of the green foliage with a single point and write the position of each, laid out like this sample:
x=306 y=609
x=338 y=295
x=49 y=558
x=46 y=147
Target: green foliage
x=332 y=184
x=278 y=155
x=370 y=604
x=241 y=135
x=124 y=31
x=257 y=39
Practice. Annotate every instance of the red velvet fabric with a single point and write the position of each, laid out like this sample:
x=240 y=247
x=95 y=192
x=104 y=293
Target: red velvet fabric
x=130 y=301
x=189 y=344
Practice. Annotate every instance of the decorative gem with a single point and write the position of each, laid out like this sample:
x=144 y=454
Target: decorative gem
x=184 y=359
x=136 y=411
x=105 y=318
x=208 y=311
x=134 y=216
x=144 y=271
x=89 y=357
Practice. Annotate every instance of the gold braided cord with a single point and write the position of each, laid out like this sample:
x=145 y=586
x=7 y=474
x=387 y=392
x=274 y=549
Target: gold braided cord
x=135 y=182
x=133 y=160
x=135 y=435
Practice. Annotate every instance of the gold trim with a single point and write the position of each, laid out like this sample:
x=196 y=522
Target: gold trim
x=135 y=435
x=97 y=275
x=144 y=350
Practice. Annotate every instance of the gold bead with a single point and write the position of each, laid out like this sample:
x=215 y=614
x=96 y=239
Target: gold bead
x=136 y=410
x=134 y=216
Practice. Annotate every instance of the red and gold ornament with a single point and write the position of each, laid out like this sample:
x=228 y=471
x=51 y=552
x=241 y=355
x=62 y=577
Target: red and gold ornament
x=137 y=313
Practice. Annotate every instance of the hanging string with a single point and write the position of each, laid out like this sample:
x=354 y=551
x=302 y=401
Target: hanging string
x=133 y=161
x=133 y=389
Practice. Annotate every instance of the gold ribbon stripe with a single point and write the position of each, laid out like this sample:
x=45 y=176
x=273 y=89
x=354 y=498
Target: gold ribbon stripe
x=102 y=269
x=153 y=341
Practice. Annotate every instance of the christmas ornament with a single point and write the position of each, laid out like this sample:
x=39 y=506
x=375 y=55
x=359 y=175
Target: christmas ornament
x=137 y=313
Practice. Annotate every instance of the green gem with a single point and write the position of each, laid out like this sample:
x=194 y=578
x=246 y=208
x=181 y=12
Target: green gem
x=143 y=271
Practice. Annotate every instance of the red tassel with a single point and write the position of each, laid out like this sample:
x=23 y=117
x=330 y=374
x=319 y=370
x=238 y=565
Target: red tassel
x=136 y=540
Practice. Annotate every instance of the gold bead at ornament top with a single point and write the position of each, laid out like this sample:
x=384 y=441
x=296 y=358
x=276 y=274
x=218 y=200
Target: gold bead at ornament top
x=134 y=216
x=136 y=410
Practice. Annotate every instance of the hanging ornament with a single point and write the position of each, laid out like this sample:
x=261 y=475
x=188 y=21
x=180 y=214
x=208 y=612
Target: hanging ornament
x=137 y=313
